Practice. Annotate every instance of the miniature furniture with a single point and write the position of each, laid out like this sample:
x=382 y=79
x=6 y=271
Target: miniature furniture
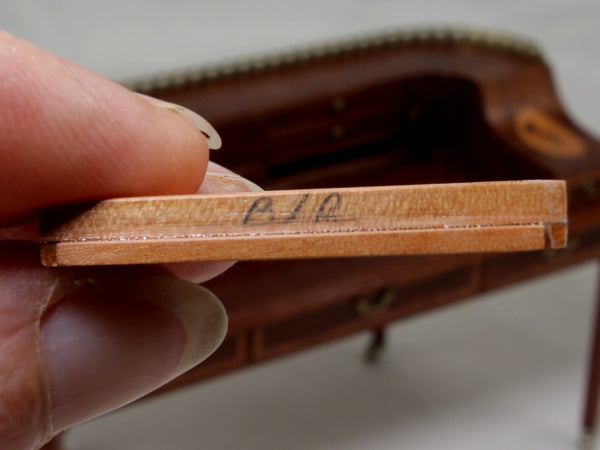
x=426 y=106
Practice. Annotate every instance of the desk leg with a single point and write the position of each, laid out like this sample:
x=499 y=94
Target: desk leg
x=376 y=346
x=590 y=417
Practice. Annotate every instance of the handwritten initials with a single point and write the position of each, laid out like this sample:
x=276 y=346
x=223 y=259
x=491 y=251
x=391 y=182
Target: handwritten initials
x=329 y=208
x=297 y=209
x=263 y=210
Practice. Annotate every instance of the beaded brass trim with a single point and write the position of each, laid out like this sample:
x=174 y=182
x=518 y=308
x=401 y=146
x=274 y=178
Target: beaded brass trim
x=484 y=38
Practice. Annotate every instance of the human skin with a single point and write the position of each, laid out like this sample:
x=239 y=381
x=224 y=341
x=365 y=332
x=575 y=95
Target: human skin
x=76 y=343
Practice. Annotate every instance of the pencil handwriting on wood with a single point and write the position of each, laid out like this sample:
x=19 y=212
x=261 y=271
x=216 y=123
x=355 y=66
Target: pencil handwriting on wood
x=298 y=208
x=311 y=223
x=329 y=207
x=261 y=211
x=265 y=210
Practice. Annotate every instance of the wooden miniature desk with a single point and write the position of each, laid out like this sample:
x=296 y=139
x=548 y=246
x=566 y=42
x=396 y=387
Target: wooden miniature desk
x=397 y=108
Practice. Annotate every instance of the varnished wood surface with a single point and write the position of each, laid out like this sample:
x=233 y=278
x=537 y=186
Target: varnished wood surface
x=429 y=112
x=388 y=220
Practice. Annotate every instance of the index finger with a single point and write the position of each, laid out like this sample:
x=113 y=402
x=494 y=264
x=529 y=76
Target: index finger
x=68 y=135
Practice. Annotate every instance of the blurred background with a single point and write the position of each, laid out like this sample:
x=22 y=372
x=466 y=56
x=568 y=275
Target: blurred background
x=503 y=371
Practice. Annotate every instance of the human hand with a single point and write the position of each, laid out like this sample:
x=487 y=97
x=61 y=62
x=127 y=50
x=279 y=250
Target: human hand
x=76 y=343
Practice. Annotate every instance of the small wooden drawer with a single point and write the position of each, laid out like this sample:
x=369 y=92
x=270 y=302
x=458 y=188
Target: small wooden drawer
x=290 y=142
x=362 y=312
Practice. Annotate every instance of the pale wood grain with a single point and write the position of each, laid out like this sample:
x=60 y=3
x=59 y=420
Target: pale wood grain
x=437 y=218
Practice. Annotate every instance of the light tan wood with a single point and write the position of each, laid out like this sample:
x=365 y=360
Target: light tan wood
x=386 y=220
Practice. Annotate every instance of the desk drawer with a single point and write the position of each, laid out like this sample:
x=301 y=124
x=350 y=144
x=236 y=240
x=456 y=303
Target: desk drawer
x=363 y=312
x=294 y=142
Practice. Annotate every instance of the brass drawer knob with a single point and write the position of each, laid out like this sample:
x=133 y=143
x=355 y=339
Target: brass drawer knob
x=366 y=306
x=337 y=132
x=339 y=104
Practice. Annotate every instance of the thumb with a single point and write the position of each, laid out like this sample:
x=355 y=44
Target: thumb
x=78 y=344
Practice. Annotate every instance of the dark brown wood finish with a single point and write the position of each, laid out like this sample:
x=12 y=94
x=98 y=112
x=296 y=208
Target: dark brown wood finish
x=437 y=108
x=430 y=110
x=590 y=413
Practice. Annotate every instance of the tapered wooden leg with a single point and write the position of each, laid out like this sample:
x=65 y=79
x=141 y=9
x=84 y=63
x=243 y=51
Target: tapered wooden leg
x=590 y=416
x=376 y=345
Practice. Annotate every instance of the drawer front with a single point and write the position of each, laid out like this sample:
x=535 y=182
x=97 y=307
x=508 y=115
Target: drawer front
x=363 y=312
x=296 y=141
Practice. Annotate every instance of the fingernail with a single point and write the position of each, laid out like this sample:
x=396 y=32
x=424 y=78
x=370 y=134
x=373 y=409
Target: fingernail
x=107 y=345
x=212 y=137
x=223 y=182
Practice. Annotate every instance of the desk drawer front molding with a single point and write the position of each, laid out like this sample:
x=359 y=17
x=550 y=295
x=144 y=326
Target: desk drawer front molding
x=362 y=312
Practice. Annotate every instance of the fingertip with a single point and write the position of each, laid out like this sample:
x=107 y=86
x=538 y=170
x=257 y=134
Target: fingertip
x=213 y=139
x=199 y=272
x=71 y=135
x=218 y=180
x=107 y=344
